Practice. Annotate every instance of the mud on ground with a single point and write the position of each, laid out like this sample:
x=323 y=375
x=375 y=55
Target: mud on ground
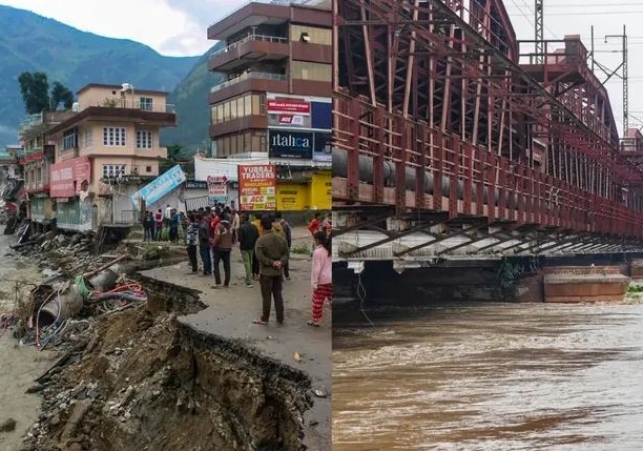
x=143 y=382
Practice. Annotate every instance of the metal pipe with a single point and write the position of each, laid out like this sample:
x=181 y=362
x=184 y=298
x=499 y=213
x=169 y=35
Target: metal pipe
x=340 y=169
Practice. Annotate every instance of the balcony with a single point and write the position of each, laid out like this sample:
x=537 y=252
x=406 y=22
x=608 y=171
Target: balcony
x=129 y=104
x=119 y=173
x=250 y=49
x=250 y=81
x=272 y=12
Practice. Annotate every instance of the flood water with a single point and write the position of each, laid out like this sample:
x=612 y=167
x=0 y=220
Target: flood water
x=491 y=377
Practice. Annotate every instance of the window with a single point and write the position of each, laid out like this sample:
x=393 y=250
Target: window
x=316 y=35
x=114 y=136
x=147 y=104
x=70 y=139
x=113 y=170
x=148 y=169
x=143 y=139
x=89 y=137
x=301 y=70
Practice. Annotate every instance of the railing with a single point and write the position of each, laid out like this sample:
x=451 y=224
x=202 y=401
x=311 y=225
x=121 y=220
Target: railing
x=30 y=121
x=317 y=4
x=137 y=170
x=251 y=38
x=133 y=105
x=248 y=76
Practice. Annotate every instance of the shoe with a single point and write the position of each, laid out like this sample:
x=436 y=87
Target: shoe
x=216 y=285
x=249 y=285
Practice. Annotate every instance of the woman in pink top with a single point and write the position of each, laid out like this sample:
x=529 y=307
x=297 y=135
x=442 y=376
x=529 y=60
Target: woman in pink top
x=321 y=276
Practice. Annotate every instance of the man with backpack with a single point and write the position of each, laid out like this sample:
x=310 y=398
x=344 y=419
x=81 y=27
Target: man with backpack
x=287 y=233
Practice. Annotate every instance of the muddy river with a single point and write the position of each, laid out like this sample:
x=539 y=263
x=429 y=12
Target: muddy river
x=491 y=378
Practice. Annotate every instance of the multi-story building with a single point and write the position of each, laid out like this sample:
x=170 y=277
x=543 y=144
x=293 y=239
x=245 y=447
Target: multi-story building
x=36 y=158
x=274 y=102
x=104 y=151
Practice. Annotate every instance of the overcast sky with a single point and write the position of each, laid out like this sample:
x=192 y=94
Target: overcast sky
x=178 y=27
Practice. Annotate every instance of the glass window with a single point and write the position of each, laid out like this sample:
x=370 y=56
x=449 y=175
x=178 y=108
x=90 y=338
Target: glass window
x=301 y=70
x=233 y=109
x=247 y=100
x=143 y=139
x=113 y=170
x=147 y=103
x=316 y=35
x=226 y=111
x=114 y=136
x=256 y=104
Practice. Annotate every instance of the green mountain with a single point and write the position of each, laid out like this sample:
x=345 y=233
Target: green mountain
x=30 y=42
x=191 y=100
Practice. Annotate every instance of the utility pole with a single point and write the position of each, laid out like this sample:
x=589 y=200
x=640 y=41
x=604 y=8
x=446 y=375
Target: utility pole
x=624 y=77
x=540 y=31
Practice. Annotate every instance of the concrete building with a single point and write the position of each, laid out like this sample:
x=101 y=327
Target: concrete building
x=105 y=151
x=275 y=100
x=36 y=159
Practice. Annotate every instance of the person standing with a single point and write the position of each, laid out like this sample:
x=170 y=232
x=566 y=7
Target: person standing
x=204 y=244
x=175 y=222
x=236 y=223
x=221 y=249
x=248 y=235
x=321 y=276
x=191 y=242
x=287 y=231
x=148 y=226
x=272 y=253
x=158 y=224
x=313 y=227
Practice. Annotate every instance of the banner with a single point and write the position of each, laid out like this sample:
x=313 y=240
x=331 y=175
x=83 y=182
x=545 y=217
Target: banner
x=66 y=178
x=217 y=190
x=160 y=187
x=257 y=186
x=290 y=144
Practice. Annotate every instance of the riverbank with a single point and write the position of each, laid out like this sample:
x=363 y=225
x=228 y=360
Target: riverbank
x=20 y=365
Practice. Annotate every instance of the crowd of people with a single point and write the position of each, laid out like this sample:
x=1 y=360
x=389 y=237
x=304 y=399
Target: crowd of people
x=265 y=242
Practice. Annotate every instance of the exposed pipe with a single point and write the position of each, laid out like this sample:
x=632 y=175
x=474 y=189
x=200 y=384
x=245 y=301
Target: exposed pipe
x=340 y=166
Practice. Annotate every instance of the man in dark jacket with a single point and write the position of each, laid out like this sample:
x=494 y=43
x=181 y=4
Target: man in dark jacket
x=288 y=234
x=221 y=249
x=248 y=235
x=204 y=244
x=272 y=253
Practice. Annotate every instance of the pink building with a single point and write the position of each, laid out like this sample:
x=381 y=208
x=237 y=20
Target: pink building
x=115 y=132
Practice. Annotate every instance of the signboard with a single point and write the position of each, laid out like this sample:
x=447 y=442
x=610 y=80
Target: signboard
x=217 y=190
x=195 y=184
x=323 y=150
x=257 y=186
x=291 y=197
x=160 y=187
x=289 y=111
x=290 y=144
x=66 y=178
x=288 y=106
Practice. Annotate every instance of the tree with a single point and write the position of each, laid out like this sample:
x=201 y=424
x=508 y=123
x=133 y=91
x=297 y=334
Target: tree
x=176 y=154
x=34 y=88
x=59 y=93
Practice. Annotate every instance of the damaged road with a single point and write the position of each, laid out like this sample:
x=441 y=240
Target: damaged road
x=145 y=378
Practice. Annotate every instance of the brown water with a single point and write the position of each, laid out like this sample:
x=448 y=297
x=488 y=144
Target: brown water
x=491 y=378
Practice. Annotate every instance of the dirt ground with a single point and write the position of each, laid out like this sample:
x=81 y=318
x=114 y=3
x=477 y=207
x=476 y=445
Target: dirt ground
x=230 y=313
x=19 y=365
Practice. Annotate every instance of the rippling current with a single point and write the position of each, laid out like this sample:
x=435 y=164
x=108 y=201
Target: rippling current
x=491 y=377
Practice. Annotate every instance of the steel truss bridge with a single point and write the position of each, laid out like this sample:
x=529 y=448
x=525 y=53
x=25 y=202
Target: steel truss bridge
x=451 y=143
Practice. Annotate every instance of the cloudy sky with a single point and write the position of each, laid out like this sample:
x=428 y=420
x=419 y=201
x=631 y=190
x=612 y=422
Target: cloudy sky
x=179 y=28
x=172 y=27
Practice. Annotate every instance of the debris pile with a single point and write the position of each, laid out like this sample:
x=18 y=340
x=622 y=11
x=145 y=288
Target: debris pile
x=138 y=381
x=130 y=376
